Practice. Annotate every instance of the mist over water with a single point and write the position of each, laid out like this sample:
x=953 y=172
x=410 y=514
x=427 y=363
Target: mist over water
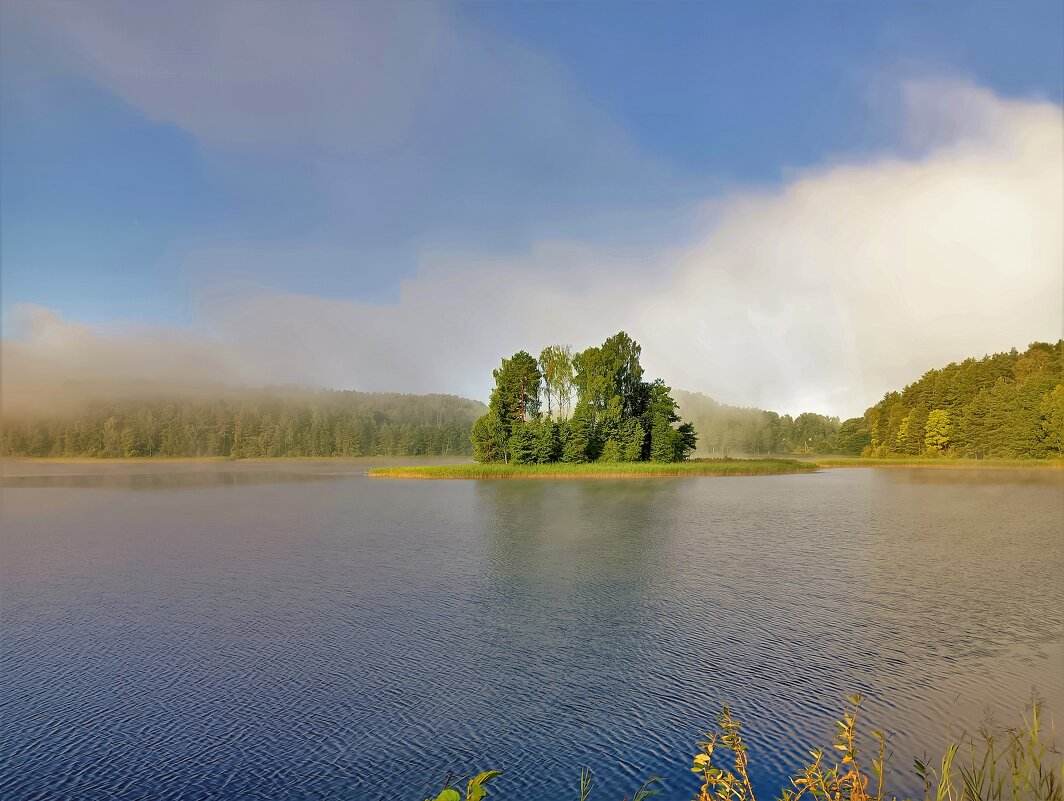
x=297 y=630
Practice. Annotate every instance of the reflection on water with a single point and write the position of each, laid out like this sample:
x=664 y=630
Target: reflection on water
x=329 y=638
x=993 y=476
x=163 y=481
x=184 y=474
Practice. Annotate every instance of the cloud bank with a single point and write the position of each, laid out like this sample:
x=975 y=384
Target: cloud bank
x=819 y=294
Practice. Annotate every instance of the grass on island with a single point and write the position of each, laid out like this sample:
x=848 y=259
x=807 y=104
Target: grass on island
x=997 y=764
x=933 y=461
x=697 y=467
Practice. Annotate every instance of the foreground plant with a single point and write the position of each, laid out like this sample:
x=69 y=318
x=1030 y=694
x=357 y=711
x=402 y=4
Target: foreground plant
x=1002 y=765
x=474 y=788
x=997 y=765
x=1009 y=765
x=820 y=779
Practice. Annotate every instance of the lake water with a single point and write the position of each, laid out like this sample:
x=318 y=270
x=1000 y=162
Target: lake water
x=299 y=631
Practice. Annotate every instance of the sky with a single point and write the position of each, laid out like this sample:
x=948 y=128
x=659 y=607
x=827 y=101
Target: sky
x=797 y=206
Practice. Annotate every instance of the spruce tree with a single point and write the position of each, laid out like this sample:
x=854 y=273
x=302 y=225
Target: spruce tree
x=662 y=445
x=577 y=447
x=522 y=444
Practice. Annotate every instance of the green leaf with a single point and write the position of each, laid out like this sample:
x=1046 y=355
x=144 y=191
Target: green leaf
x=474 y=791
x=450 y=794
x=485 y=777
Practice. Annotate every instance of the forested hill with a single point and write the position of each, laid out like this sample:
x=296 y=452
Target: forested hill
x=247 y=424
x=1004 y=406
x=1008 y=405
x=736 y=430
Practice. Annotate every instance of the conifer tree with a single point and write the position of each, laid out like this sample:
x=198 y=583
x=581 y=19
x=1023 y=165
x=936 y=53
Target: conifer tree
x=937 y=430
x=580 y=433
x=662 y=445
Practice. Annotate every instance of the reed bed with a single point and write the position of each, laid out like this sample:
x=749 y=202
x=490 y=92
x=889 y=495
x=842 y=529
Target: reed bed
x=996 y=764
x=706 y=467
x=943 y=462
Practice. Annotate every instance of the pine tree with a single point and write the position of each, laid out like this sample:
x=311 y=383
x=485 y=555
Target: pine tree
x=1052 y=414
x=937 y=430
x=548 y=446
x=489 y=441
x=633 y=441
x=522 y=444
x=579 y=435
x=662 y=442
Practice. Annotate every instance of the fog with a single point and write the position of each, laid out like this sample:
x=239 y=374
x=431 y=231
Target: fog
x=820 y=294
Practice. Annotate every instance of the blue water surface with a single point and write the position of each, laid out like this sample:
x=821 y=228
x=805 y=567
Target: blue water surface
x=301 y=631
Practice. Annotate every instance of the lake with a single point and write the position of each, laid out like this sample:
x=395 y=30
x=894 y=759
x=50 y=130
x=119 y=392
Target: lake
x=296 y=630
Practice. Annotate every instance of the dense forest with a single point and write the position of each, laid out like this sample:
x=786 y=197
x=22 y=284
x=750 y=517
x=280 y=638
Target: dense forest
x=586 y=406
x=734 y=430
x=1004 y=406
x=256 y=423
x=617 y=416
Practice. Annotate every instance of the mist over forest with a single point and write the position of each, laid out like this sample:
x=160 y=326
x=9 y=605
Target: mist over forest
x=1003 y=405
x=252 y=424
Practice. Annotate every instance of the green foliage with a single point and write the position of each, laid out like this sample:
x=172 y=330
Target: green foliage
x=1000 y=766
x=488 y=438
x=474 y=788
x=579 y=435
x=1018 y=764
x=852 y=437
x=936 y=438
x=611 y=451
x=724 y=429
x=931 y=460
x=548 y=442
x=522 y=444
x=685 y=441
x=697 y=467
x=1051 y=412
x=614 y=419
x=515 y=398
x=913 y=433
x=662 y=440
x=1004 y=406
x=633 y=441
x=609 y=371
x=556 y=366
x=246 y=424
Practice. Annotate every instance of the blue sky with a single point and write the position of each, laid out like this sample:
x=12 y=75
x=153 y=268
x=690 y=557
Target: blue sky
x=158 y=161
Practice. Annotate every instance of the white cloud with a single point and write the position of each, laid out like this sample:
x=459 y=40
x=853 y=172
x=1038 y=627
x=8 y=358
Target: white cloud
x=821 y=294
x=52 y=364
x=337 y=76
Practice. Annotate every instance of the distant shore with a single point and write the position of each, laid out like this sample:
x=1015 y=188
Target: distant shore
x=729 y=467
x=939 y=462
x=696 y=466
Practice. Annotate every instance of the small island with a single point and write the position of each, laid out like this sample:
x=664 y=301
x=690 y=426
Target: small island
x=586 y=414
x=695 y=467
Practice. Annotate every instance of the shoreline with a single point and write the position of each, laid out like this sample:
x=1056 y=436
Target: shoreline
x=712 y=465
x=561 y=470
x=945 y=463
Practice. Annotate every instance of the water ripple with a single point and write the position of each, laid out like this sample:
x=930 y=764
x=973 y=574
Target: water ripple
x=312 y=639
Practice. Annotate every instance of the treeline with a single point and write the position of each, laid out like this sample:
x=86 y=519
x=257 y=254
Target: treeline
x=1008 y=405
x=724 y=429
x=1004 y=406
x=617 y=416
x=256 y=424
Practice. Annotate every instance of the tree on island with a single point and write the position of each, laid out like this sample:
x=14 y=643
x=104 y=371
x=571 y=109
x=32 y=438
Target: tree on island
x=617 y=416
